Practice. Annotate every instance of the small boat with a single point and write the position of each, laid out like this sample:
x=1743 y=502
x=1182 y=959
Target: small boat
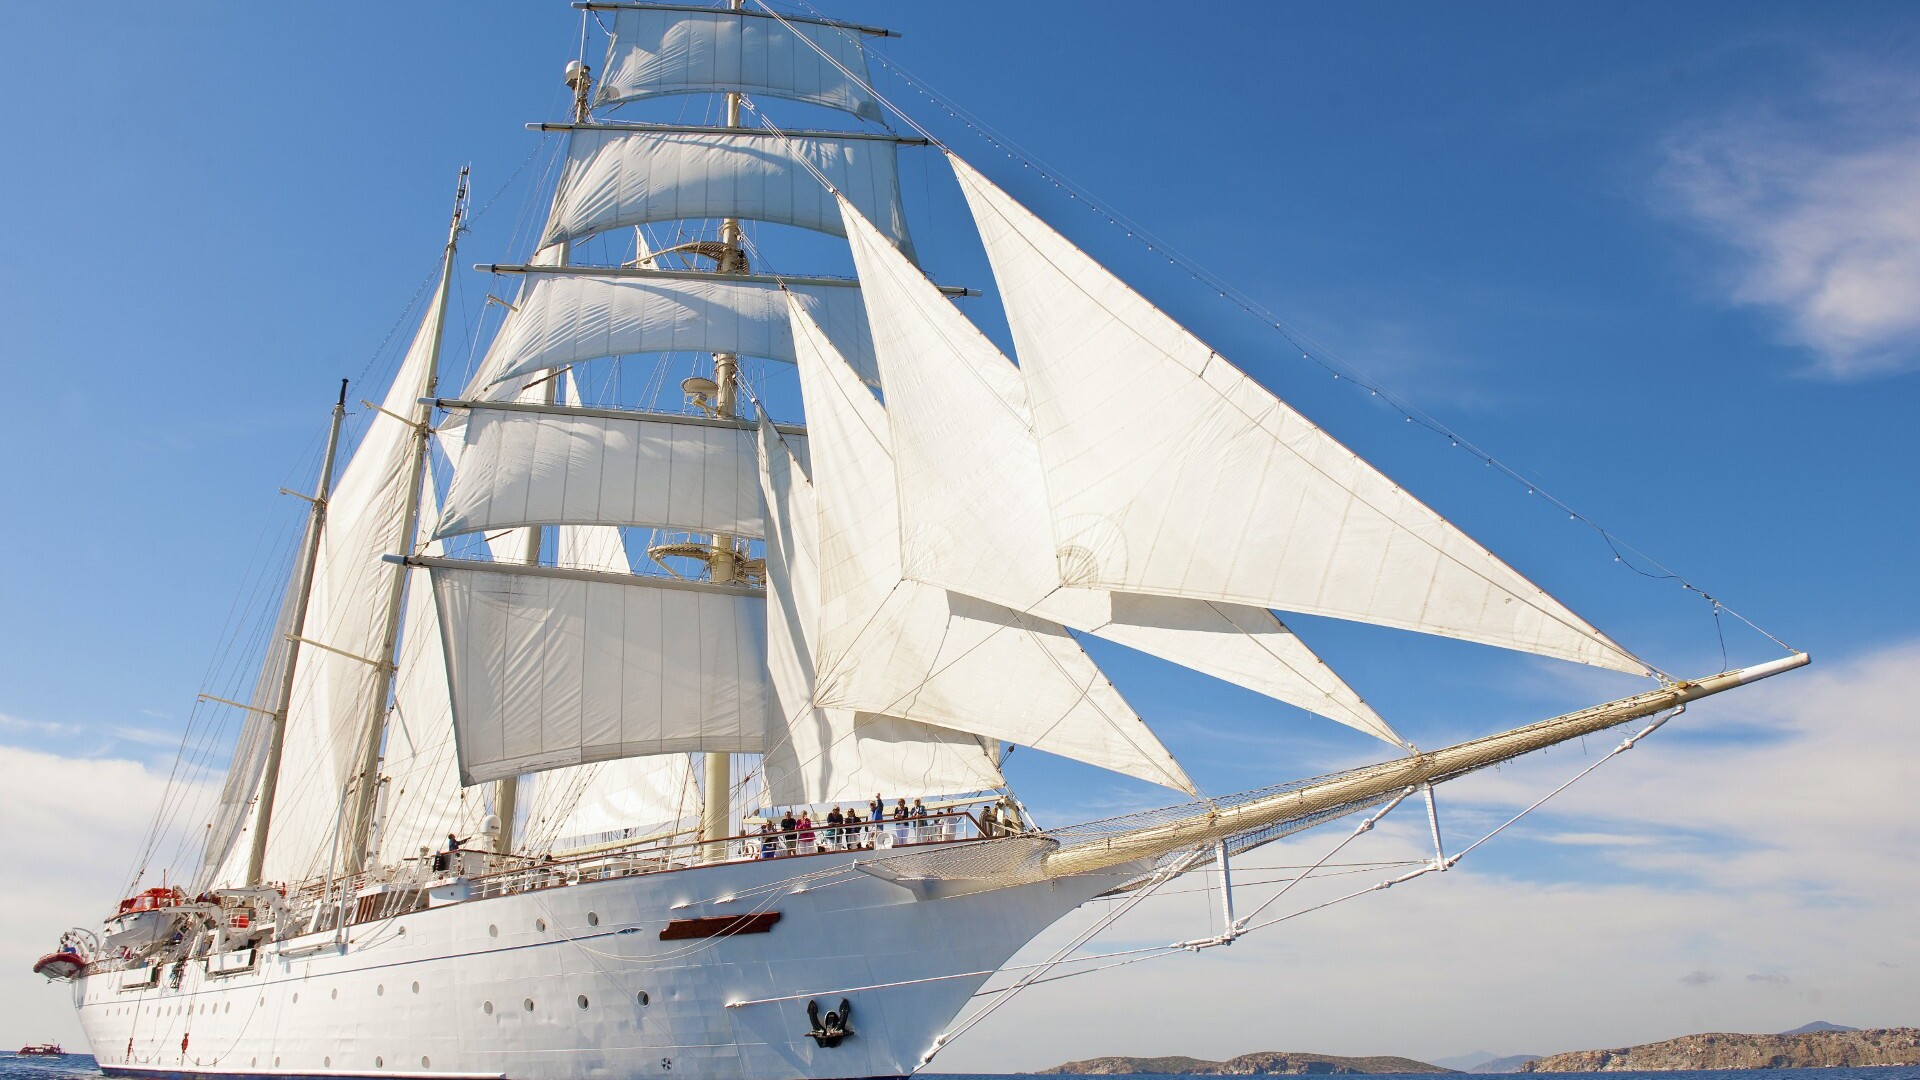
x=42 y=1049
x=59 y=965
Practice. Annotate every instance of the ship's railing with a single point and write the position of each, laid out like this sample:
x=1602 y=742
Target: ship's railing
x=652 y=857
x=387 y=892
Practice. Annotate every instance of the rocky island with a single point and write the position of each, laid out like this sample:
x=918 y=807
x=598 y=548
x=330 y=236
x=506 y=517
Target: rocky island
x=1259 y=1063
x=1722 y=1050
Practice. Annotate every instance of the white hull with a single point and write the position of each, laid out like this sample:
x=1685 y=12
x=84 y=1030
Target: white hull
x=495 y=987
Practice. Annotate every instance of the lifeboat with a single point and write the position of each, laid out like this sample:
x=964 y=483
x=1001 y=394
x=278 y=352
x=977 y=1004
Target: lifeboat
x=144 y=919
x=59 y=965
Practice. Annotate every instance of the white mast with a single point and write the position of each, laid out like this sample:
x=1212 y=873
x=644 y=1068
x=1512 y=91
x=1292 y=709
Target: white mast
x=277 y=736
x=717 y=776
x=365 y=782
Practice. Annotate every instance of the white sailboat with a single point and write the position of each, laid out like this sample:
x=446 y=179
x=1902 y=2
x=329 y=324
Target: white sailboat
x=880 y=600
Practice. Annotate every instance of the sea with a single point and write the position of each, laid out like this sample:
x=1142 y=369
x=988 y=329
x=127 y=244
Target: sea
x=81 y=1067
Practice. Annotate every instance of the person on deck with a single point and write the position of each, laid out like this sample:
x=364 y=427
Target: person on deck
x=921 y=834
x=787 y=826
x=856 y=836
x=900 y=814
x=806 y=832
x=767 y=839
x=835 y=834
x=989 y=823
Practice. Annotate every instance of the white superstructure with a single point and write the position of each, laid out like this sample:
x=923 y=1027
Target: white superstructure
x=478 y=644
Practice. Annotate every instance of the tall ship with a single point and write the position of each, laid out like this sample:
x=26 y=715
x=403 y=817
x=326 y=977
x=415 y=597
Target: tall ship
x=547 y=768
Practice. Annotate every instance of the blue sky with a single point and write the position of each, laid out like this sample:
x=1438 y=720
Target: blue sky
x=1663 y=259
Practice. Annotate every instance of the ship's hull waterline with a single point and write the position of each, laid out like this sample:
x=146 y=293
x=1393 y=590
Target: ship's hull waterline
x=576 y=982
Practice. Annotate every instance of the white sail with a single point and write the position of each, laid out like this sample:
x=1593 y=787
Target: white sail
x=556 y=468
x=233 y=813
x=657 y=52
x=551 y=668
x=902 y=648
x=817 y=755
x=1172 y=472
x=607 y=800
x=421 y=799
x=615 y=178
x=346 y=613
x=974 y=514
x=562 y=319
x=588 y=547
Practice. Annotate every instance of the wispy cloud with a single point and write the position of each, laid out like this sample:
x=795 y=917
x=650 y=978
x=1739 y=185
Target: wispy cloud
x=1819 y=199
x=1698 y=978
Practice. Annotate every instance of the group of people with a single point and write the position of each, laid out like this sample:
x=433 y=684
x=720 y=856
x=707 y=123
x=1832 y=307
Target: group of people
x=799 y=834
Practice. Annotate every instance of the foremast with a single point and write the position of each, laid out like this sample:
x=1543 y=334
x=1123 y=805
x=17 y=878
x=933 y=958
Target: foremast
x=365 y=782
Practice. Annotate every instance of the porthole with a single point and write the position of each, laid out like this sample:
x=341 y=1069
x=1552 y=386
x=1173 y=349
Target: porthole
x=416 y=988
x=642 y=998
x=527 y=1004
x=425 y=1064
x=276 y=1063
x=540 y=925
x=493 y=931
x=327 y=1061
x=334 y=993
x=379 y=1063
x=296 y=997
x=487 y=1007
x=593 y=918
x=581 y=1000
x=253 y=1063
x=229 y=1007
x=380 y=990
x=263 y=1001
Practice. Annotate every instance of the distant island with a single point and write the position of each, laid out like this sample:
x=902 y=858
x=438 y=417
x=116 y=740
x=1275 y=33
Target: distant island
x=1259 y=1063
x=1816 y=1046
x=1820 y=1044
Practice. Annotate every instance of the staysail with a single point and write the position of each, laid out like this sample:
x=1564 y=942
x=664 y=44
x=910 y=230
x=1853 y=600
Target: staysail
x=823 y=755
x=898 y=647
x=1171 y=472
x=974 y=514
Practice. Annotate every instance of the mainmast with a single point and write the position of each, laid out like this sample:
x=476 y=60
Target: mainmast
x=365 y=783
x=277 y=731
x=717 y=776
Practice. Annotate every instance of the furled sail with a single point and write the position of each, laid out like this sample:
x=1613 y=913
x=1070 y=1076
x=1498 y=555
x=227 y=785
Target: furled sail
x=562 y=319
x=825 y=755
x=618 y=177
x=346 y=613
x=598 y=467
x=894 y=646
x=554 y=667
x=973 y=503
x=1171 y=472
x=665 y=51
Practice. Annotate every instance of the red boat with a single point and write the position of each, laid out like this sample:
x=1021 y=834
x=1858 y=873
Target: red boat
x=59 y=965
x=42 y=1050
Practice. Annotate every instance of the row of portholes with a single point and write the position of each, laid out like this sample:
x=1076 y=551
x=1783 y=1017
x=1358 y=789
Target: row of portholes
x=175 y=1010
x=379 y=990
x=540 y=925
x=327 y=1062
x=641 y=998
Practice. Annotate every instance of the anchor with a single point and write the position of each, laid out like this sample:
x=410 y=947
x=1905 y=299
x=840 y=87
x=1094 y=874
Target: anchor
x=828 y=1030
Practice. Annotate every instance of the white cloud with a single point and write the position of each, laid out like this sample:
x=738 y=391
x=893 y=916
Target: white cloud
x=1768 y=832
x=1823 y=208
x=73 y=827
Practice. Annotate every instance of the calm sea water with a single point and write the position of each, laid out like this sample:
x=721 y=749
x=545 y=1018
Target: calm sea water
x=81 y=1067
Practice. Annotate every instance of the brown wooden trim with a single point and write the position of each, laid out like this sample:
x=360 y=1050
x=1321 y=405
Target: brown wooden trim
x=719 y=926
